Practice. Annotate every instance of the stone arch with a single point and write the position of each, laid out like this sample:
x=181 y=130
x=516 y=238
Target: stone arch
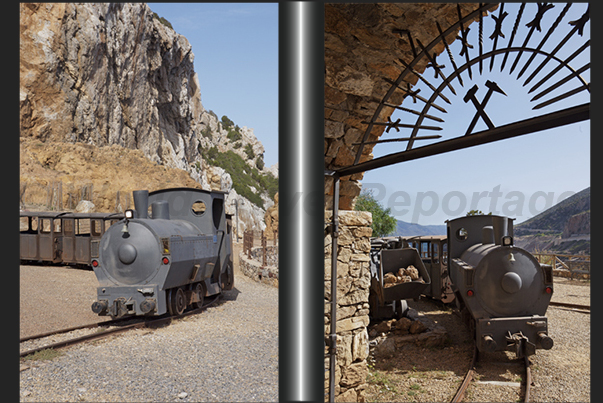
x=350 y=141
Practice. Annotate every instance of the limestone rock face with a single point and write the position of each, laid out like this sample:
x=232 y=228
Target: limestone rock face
x=271 y=220
x=578 y=224
x=107 y=74
x=111 y=74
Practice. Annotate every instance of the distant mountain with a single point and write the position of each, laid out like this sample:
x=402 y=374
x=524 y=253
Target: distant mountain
x=407 y=229
x=563 y=228
x=557 y=217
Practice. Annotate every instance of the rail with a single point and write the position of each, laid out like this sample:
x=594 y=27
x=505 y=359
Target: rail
x=144 y=322
x=472 y=373
x=575 y=264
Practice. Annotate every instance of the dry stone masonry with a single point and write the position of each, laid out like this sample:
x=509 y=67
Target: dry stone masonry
x=353 y=282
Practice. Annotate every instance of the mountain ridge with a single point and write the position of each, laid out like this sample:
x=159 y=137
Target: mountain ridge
x=404 y=228
x=555 y=218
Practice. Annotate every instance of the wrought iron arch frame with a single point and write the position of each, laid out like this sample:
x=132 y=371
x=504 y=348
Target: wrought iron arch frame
x=542 y=122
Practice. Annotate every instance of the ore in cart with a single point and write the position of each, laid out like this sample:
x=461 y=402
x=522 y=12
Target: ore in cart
x=388 y=299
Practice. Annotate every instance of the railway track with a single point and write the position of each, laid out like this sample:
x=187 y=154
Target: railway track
x=473 y=373
x=115 y=328
x=583 y=308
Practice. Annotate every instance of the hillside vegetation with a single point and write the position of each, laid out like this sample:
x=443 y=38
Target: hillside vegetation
x=555 y=218
x=564 y=228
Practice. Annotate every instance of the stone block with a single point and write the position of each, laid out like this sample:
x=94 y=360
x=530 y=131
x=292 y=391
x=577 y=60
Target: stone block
x=352 y=323
x=358 y=218
x=360 y=345
x=354 y=374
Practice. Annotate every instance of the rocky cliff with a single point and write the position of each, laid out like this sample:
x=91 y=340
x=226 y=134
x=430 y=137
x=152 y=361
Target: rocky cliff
x=577 y=225
x=114 y=74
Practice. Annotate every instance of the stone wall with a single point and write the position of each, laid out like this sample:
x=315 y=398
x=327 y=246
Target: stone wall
x=353 y=282
x=253 y=268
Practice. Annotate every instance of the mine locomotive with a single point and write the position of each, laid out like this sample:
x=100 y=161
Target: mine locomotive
x=501 y=290
x=164 y=263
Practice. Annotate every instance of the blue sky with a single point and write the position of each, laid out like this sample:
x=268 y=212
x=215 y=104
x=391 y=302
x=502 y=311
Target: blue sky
x=518 y=177
x=236 y=59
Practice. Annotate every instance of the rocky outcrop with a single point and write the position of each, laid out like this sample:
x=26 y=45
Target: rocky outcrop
x=577 y=225
x=97 y=174
x=271 y=220
x=107 y=74
x=112 y=74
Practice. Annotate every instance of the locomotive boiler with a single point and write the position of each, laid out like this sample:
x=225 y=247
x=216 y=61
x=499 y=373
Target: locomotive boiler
x=502 y=291
x=168 y=261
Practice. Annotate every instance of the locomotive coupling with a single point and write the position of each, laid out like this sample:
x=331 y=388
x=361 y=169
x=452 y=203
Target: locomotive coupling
x=523 y=346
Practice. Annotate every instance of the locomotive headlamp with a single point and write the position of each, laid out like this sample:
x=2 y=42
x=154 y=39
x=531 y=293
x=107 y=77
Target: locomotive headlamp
x=507 y=240
x=129 y=214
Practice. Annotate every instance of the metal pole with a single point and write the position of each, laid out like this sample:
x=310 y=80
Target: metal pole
x=301 y=207
x=333 y=335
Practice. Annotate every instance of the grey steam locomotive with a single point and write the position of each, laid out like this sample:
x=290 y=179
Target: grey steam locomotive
x=501 y=290
x=168 y=261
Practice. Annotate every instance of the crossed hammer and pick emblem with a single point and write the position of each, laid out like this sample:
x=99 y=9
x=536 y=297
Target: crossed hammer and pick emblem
x=492 y=87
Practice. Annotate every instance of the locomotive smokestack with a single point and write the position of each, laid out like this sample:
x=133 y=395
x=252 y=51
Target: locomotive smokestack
x=487 y=234
x=141 y=202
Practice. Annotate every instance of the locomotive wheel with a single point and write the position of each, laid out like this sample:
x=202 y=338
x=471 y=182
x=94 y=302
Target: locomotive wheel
x=200 y=290
x=176 y=302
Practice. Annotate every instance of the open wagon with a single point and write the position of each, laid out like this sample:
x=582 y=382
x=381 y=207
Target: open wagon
x=390 y=286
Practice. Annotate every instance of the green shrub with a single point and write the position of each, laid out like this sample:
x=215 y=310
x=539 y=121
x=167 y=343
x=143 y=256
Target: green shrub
x=260 y=162
x=249 y=151
x=227 y=123
x=206 y=132
x=234 y=135
x=163 y=21
x=243 y=176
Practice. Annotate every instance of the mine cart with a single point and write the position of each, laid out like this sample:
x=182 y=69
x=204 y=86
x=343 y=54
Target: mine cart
x=396 y=275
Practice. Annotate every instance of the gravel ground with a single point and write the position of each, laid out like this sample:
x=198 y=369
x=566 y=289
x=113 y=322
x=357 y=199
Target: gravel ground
x=48 y=304
x=227 y=353
x=561 y=374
